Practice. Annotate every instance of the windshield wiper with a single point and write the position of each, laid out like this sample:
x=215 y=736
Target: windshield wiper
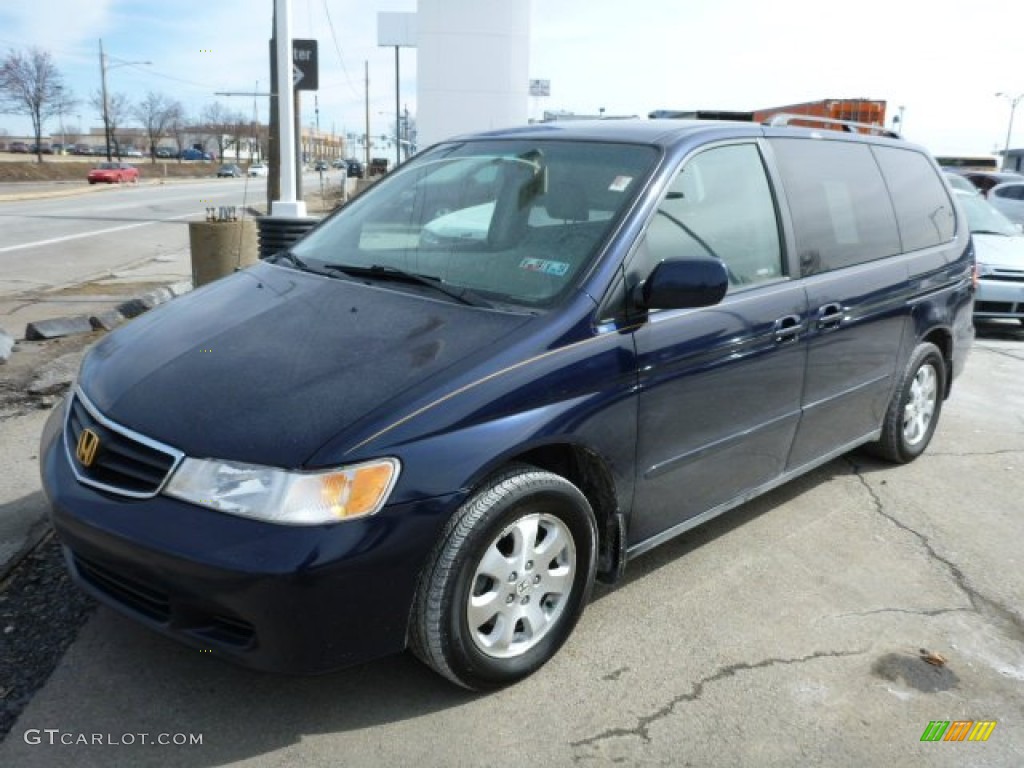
x=380 y=272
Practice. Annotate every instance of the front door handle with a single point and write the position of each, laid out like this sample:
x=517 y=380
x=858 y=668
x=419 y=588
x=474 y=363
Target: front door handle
x=787 y=329
x=830 y=316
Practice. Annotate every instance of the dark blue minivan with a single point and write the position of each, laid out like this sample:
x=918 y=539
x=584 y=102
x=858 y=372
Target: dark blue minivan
x=516 y=363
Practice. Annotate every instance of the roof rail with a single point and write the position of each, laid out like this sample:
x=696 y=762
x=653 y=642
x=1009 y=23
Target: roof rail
x=785 y=118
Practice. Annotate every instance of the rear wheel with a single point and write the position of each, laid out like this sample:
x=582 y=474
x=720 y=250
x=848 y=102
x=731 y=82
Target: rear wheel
x=913 y=413
x=507 y=581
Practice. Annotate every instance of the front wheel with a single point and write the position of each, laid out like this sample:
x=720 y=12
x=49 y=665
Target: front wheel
x=913 y=413
x=507 y=581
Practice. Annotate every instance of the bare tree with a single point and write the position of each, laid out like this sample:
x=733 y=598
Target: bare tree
x=241 y=132
x=155 y=113
x=30 y=84
x=116 y=114
x=215 y=122
x=179 y=127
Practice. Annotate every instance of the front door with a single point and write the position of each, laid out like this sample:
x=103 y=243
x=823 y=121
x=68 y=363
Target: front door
x=719 y=387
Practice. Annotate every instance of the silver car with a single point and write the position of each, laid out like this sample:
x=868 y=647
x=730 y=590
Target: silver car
x=1008 y=198
x=999 y=250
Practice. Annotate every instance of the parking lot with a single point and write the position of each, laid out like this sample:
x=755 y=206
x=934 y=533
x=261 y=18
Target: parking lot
x=788 y=633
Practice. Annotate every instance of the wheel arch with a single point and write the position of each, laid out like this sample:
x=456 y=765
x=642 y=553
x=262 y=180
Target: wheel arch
x=943 y=339
x=589 y=472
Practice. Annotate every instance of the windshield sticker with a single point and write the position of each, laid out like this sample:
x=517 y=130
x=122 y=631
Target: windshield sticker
x=620 y=183
x=556 y=268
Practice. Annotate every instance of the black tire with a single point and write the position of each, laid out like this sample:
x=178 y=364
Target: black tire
x=913 y=413
x=481 y=539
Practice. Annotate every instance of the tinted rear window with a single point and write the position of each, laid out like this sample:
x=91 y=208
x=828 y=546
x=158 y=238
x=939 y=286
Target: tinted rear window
x=839 y=204
x=924 y=211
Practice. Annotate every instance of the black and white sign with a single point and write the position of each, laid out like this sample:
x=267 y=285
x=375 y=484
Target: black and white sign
x=304 y=65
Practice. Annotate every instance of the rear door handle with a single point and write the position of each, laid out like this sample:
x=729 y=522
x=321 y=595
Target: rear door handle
x=830 y=316
x=787 y=329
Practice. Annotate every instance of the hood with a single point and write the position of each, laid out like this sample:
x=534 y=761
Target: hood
x=267 y=365
x=1000 y=251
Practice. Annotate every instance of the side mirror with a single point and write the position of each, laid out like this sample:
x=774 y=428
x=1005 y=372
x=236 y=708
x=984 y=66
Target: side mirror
x=683 y=284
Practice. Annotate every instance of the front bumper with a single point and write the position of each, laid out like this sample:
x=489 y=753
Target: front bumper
x=1000 y=296
x=293 y=599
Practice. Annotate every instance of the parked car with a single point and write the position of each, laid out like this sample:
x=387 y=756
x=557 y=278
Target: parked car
x=662 y=321
x=320 y=165
x=229 y=170
x=378 y=166
x=195 y=154
x=131 y=152
x=1008 y=198
x=960 y=183
x=353 y=168
x=42 y=149
x=338 y=163
x=985 y=180
x=165 y=152
x=258 y=169
x=18 y=147
x=82 y=149
x=999 y=250
x=113 y=173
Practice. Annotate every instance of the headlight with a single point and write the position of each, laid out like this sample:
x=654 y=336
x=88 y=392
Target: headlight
x=985 y=269
x=280 y=496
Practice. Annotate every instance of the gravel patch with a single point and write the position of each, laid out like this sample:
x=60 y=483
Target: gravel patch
x=41 y=612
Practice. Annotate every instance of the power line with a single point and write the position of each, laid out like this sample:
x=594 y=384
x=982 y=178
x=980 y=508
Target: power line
x=341 y=59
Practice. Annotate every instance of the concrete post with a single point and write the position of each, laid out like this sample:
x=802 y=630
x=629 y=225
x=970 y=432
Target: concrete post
x=221 y=247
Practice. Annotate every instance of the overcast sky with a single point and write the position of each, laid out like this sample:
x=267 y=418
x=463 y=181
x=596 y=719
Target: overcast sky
x=942 y=60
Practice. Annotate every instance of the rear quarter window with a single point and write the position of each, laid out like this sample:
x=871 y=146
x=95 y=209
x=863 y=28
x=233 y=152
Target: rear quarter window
x=838 y=201
x=924 y=212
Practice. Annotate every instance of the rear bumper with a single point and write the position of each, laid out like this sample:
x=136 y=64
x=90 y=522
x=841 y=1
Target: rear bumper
x=299 y=600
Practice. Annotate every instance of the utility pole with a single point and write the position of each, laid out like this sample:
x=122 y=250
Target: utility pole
x=366 y=70
x=103 y=86
x=273 y=125
x=398 y=115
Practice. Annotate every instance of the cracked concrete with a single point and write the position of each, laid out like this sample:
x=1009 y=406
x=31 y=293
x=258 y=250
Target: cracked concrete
x=642 y=728
x=1012 y=622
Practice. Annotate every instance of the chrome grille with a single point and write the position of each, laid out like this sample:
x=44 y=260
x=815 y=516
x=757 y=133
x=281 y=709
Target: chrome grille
x=127 y=463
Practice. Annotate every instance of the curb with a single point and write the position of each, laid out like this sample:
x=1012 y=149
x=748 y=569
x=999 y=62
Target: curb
x=58 y=327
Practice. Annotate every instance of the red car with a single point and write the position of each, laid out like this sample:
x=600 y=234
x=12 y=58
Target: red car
x=114 y=173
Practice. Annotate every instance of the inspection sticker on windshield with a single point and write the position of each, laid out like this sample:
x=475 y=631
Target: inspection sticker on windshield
x=619 y=183
x=556 y=268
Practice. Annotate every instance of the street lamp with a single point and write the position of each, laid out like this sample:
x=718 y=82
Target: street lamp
x=104 y=66
x=1014 y=101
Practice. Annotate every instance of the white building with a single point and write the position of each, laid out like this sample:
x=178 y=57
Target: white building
x=473 y=60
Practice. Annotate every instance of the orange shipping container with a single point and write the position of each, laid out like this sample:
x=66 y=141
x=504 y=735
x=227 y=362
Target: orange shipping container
x=855 y=110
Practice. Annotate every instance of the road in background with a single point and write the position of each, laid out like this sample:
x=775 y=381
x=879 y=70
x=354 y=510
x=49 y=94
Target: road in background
x=130 y=234
x=50 y=243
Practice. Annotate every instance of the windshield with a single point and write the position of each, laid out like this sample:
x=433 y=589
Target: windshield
x=513 y=221
x=982 y=218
